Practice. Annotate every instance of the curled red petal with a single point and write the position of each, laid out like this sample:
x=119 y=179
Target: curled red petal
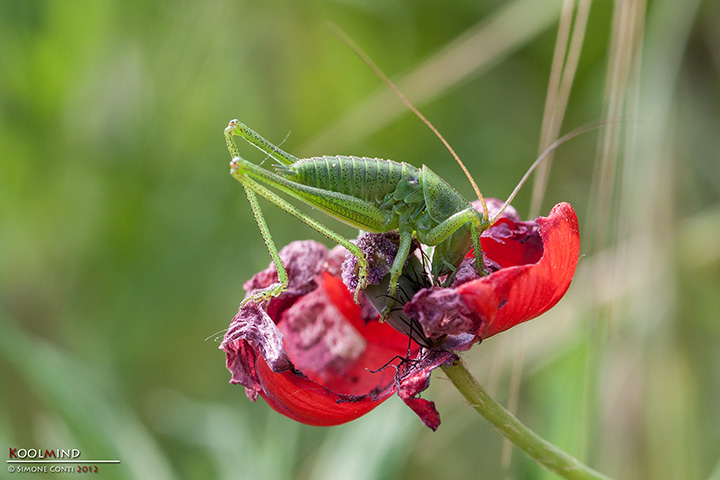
x=253 y=332
x=335 y=347
x=296 y=396
x=414 y=378
x=377 y=334
x=515 y=294
x=509 y=243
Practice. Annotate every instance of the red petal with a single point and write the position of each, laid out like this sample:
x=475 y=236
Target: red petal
x=376 y=333
x=515 y=294
x=510 y=243
x=415 y=378
x=297 y=397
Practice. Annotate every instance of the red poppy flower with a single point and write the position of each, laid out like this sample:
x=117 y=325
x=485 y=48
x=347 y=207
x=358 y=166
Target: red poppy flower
x=318 y=358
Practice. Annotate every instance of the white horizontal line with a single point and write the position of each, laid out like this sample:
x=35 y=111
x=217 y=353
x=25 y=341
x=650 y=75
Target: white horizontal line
x=62 y=461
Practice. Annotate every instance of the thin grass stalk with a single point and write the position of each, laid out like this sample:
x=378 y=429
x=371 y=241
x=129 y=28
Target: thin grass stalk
x=603 y=185
x=562 y=75
x=604 y=217
x=558 y=96
x=670 y=446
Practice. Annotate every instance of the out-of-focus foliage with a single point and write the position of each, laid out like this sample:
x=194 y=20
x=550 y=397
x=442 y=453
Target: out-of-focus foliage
x=124 y=243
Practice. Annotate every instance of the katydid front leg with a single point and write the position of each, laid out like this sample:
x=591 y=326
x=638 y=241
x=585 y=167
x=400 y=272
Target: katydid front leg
x=401 y=257
x=441 y=232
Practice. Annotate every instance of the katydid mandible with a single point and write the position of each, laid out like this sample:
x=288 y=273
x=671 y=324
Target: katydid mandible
x=373 y=194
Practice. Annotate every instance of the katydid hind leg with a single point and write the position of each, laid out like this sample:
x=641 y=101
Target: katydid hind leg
x=277 y=288
x=235 y=127
x=237 y=171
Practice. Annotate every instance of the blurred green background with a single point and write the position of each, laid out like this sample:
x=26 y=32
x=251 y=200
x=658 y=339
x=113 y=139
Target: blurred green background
x=124 y=243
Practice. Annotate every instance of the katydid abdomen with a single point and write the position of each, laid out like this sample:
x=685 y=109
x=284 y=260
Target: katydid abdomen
x=392 y=187
x=368 y=179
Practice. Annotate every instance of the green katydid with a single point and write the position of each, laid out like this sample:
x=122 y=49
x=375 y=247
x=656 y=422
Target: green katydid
x=372 y=194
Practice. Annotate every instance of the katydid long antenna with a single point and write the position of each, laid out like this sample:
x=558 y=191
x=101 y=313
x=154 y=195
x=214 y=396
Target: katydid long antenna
x=368 y=61
x=568 y=136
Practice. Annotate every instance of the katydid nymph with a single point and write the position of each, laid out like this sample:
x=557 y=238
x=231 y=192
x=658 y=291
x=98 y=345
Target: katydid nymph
x=375 y=195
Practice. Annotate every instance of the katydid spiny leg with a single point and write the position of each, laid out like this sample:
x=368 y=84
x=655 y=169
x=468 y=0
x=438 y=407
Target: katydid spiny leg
x=275 y=289
x=478 y=224
x=237 y=170
x=235 y=127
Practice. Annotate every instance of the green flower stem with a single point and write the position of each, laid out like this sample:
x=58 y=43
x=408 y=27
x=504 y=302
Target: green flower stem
x=542 y=451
